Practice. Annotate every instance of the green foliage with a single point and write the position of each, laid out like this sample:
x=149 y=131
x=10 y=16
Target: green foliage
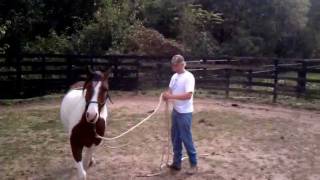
x=313 y=29
x=3 y=30
x=148 y=41
x=106 y=32
x=201 y=18
x=52 y=44
x=31 y=20
x=95 y=38
x=195 y=28
x=162 y=15
x=283 y=28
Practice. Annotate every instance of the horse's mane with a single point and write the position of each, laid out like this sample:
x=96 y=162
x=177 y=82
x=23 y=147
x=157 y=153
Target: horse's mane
x=80 y=85
x=77 y=86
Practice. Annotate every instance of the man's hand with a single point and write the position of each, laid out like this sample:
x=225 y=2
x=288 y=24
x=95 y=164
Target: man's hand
x=166 y=95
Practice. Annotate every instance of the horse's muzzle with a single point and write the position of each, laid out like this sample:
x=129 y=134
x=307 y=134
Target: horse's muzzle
x=91 y=118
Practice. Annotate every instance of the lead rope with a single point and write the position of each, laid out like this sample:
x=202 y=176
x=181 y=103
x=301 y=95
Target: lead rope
x=166 y=146
x=165 y=156
x=135 y=126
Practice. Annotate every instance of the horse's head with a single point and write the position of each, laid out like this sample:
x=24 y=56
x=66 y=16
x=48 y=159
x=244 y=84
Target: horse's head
x=96 y=90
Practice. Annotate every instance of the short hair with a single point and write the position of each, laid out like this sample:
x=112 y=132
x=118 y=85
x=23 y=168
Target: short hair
x=178 y=59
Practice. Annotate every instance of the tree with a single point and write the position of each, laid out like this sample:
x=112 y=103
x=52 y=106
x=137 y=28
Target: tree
x=28 y=19
x=283 y=28
x=162 y=15
x=312 y=44
x=194 y=30
x=268 y=27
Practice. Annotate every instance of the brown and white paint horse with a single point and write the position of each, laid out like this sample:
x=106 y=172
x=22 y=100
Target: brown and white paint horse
x=84 y=113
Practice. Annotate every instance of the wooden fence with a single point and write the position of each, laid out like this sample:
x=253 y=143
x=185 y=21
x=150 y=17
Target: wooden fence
x=30 y=75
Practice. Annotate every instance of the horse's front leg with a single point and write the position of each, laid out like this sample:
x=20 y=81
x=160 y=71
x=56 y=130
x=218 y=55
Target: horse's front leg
x=88 y=160
x=77 y=155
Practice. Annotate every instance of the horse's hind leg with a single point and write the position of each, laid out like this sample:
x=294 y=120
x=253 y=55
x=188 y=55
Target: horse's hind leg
x=88 y=158
x=77 y=155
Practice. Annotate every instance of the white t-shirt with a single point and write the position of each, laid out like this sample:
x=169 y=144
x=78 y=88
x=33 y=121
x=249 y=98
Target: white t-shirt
x=182 y=83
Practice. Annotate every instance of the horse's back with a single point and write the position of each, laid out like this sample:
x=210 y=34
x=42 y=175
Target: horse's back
x=72 y=108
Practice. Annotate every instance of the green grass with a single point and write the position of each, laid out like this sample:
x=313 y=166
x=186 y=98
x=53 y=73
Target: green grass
x=33 y=139
x=287 y=101
x=9 y=102
x=34 y=144
x=29 y=135
x=313 y=76
x=217 y=122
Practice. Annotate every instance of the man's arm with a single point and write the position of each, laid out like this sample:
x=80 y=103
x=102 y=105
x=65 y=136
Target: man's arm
x=183 y=96
x=189 y=87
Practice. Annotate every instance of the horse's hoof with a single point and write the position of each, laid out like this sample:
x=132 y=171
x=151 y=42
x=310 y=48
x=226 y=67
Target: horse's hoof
x=92 y=162
x=83 y=175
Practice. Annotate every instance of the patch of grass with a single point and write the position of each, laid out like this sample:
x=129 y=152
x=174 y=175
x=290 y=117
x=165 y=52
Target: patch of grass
x=227 y=123
x=293 y=102
x=35 y=146
x=29 y=135
x=10 y=102
x=314 y=76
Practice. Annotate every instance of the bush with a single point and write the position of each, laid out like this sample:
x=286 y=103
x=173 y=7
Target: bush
x=4 y=46
x=146 y=41
x=54 y=43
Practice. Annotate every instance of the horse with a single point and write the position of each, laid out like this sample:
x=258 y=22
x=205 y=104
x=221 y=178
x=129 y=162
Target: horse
x=84 y=114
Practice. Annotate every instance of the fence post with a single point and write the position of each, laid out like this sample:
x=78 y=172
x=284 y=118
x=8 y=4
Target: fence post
x=43 y=74
x=227 y=72
x=137 y=75
x=159 y=72
x=69 y=71
x=301 y=81
x=249 y=77
x=205 y=73
x=116 y=81
x=91 y=62
x=275 y=82
x=18 y=75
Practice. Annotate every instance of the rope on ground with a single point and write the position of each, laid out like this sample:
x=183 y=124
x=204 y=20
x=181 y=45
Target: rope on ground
x=166 y=147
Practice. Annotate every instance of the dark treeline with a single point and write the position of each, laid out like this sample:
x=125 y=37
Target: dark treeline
x=281 y=28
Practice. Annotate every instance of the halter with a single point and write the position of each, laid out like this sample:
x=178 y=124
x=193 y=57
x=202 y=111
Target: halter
x=95 y=102
x=99 y=104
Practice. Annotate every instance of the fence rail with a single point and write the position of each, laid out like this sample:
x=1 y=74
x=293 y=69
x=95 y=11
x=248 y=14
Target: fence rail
x=29 y=75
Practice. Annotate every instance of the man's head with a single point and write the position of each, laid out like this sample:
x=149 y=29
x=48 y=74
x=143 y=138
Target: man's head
x=178 y=63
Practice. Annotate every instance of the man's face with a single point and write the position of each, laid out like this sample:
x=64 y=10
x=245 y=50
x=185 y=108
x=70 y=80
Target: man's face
x=177 y=67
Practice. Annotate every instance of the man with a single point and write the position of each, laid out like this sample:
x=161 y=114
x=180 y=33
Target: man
x=181 y=89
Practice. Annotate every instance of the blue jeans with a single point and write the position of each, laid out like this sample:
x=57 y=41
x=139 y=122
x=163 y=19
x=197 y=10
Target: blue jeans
x=181 y=133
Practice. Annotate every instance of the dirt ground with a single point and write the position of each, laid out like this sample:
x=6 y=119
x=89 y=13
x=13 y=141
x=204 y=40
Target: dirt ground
x=239 y=141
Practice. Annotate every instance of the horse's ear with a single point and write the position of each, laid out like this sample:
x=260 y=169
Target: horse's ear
x=89 y=72
x=107 y=72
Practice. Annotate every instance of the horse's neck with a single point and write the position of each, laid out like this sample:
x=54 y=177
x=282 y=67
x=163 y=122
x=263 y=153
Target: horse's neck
x=77 y=86
x=72 y=108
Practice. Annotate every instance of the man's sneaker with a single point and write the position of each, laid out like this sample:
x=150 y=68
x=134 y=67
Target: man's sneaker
x=192 y=170
x=174 y=167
